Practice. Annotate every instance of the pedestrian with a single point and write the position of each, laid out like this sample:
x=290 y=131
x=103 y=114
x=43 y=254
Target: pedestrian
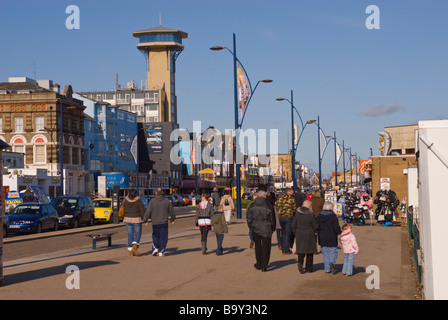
x=350 y=248
x=298 y=197
x=203 y=219
x=304 y=226
x=219 y=226
x=286 y=208
x=260 y=218
x=216 y=199
x=159 y=210
x=133 y=217
x=227 y=206
x=270 y=197
x=317 y=201
x=328 y=232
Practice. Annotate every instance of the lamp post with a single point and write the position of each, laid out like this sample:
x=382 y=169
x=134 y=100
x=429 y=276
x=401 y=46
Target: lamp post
x=61 y=146
x=335 y=159
x=294 y=144
x=238 y=124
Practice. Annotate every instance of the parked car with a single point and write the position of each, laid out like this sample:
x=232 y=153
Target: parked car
x=33 y=217
x=74 y=210
x=5 y=226
x=103 y=209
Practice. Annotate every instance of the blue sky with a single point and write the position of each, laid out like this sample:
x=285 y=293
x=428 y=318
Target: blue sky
x=356 y=80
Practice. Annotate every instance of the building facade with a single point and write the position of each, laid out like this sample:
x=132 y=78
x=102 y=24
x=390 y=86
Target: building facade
x=109 y=133
x=33 y=114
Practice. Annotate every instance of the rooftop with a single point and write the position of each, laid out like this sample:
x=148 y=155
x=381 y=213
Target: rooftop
x=160 y=30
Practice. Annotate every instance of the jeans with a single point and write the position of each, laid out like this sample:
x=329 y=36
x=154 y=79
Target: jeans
x=349 y=259
x=160 y=236
x=219 y=240
x=134 y=233
x=286 y=233
x=330 y=254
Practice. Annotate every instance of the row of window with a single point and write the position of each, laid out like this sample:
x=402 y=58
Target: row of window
x=151 y=97
x=39 y=122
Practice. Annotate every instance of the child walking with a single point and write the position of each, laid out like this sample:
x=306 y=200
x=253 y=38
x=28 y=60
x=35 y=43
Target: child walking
x=350 y=248
x=219 y=225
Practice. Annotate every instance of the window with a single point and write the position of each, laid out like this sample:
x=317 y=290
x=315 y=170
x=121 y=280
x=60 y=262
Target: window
x=40 y=124
x=18 y=124
x=39 y=151
x=152 y=97
x=1 y=124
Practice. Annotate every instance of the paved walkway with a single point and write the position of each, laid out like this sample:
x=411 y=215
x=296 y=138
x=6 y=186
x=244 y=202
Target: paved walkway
x=185 y=274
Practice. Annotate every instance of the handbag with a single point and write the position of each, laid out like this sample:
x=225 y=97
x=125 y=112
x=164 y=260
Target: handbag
x=121 y=211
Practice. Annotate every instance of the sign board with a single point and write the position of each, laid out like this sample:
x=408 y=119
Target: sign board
x=385 y=183
x=154 y=138
x=12 y=199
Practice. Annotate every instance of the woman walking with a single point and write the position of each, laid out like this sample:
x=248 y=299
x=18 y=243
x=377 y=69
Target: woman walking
x=203 y=219
x=304 y=227
x=133 y=219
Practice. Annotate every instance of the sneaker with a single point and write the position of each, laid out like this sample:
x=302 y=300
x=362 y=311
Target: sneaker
x=155 y=252
x=161 y=254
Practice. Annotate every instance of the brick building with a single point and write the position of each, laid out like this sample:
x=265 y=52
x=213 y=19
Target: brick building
x=30 y=121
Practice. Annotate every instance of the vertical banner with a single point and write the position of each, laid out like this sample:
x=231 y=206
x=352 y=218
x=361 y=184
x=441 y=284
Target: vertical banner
x=338 y=153
x=323 y=143
x=243 y=92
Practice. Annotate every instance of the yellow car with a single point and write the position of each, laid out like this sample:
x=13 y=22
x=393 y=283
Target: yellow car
x=103 y=209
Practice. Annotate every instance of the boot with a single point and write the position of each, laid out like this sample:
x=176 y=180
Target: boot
x=301 y=270
x=134 y=249
x=204 y=247
x=131 y=251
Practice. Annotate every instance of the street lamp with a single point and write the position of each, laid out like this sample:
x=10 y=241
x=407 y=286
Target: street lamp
x=238 y=124
x=294 y=144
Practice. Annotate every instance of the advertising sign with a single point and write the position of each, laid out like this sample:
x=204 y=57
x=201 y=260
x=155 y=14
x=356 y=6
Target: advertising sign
x=116 y=179
x=154 y=138
x=12 y=199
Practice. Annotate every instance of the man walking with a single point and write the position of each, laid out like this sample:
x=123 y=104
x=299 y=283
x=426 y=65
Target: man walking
x=159 y=210
x=286 y=209
x=261 y=221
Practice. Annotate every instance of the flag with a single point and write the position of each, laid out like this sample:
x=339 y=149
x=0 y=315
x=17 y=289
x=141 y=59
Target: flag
x=338 y=153
x=323 y=143
x=243 y=92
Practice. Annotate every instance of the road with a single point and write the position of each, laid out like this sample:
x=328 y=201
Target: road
x=18 y=246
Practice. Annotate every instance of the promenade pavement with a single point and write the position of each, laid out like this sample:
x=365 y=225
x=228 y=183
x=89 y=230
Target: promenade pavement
x=185 y=274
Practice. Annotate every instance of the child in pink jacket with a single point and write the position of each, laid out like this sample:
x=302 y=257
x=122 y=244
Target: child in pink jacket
x=350 y=248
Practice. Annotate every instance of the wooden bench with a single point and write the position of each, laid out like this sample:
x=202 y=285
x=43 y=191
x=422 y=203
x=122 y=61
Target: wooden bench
x=106 y=235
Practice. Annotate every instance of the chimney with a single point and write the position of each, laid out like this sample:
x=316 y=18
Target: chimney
x=56 y=88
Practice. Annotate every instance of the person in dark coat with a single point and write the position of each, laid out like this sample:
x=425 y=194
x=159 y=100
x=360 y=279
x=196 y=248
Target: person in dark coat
x=304 y=227
x=328 y=232
x=298 y=197
x=261 y=222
